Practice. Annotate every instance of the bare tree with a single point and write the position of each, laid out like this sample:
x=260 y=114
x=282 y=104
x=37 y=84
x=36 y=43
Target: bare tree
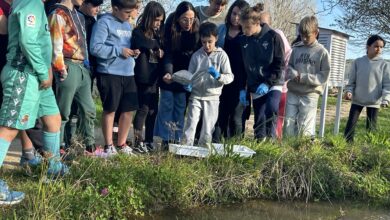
x=362 y=17
x=285 y=13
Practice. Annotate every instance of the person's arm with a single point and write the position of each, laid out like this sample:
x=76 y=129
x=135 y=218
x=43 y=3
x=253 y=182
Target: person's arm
x=30 y=26
x=226 y=72
x=168 y=58
x=277 y=65
x=291 y=73
x=3 y=23
x=321 y=77
x=98 y=46
x=386 y=85
x=57 y=27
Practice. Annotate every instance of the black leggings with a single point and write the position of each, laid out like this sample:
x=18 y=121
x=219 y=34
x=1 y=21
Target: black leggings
x=146 y=114
x=354 y=113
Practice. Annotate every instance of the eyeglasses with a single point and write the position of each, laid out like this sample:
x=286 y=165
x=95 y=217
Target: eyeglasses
x=187 y=20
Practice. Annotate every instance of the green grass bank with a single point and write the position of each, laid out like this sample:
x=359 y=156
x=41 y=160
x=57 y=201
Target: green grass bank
x=123 y=186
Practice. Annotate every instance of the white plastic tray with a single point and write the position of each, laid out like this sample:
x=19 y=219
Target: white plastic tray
x=194 y=151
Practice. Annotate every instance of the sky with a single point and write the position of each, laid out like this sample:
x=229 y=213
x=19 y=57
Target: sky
x=327 y=20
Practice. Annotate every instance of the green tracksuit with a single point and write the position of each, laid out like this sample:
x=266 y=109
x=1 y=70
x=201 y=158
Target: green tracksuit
x=28 y=61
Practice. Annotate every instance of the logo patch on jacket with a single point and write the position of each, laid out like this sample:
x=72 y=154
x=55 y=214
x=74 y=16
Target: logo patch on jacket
x=31 y=20
x=265 y=45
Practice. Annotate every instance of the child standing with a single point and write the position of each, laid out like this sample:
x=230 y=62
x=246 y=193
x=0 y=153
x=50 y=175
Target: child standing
x=180 y=42
x=368 y=86
x=70 y=58
x=147 y=37
x=263 y=55
x=211 y=68
x=26 y=80
x=110 y=43
x=234 y=96
x=308 y=72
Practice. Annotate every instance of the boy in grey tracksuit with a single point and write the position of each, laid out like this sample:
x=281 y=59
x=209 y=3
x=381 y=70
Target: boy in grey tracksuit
x=211 y=68
x=308 y=72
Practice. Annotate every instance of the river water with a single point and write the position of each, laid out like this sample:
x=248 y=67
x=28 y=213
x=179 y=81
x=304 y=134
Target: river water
x=280 y=211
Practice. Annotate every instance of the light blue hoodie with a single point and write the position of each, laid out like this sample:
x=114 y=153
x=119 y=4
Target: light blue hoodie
x=109 y=37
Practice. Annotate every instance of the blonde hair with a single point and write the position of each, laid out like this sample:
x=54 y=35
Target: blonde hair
x=308 y=25
x=253 y=14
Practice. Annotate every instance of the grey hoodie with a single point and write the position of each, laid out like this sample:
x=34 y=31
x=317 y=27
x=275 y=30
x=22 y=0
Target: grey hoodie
x=369 y=81
x=204 y=86
x=312 y=62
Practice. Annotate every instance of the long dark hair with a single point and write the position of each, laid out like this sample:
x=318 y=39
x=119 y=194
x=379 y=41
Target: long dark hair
x=182 y=8
x=241 y=4
x=145 y=21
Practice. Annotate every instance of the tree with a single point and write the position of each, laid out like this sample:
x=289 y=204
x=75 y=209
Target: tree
x=362 y=17
x=286 y=13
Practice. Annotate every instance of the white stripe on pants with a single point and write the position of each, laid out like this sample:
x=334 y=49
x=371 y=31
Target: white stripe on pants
x=301 y=113
x=210 y=117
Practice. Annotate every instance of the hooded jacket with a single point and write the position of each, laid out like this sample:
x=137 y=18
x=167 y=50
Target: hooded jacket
x=263 y=56
x=146 y=71
x=205 y=86
x=312 y=62
x=109 y=37
x=67 y=29
x=369 y=81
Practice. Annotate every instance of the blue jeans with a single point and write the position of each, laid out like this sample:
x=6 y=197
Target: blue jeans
x=266 y=112
x=170 y=116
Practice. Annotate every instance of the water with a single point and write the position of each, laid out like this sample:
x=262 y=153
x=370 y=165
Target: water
x=280 y=210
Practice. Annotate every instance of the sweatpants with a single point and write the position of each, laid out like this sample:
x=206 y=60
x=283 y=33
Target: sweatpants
x=354 y=113
x=266 y=111
x=77 y=88
x=196 y=107
x=301 y=113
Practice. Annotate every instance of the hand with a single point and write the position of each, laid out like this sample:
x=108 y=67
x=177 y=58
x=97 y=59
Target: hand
x=384 y=104
x=167 y=78
x=243 y=100
x=135 y=53
x=214 y=73
x=348 y=96
x=47 y=83
x=160 y=53
x=188 y=87
x=298 y=78
x=126 y=52
x=262 y=89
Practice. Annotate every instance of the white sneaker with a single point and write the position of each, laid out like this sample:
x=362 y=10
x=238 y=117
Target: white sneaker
x=110 y=150
x=127 y=150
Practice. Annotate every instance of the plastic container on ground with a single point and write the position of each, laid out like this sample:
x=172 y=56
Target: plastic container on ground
x=220 y=149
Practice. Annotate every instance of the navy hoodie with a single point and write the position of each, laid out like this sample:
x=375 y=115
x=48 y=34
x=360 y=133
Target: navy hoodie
x=263 y=56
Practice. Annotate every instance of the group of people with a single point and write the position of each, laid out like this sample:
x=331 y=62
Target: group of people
x=235 y=57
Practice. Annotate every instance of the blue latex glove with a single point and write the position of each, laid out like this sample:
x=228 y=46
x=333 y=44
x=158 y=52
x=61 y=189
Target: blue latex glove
x=213 y=72
x=262 y=89
x=243 y=100
x=188 y=87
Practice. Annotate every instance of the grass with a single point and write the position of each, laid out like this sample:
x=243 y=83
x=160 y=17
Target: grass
x=296 y=169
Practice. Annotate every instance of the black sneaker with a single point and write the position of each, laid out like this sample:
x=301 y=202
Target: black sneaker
x=90 y=148
x=150 y=146
x=165 y=146
x=140 y=148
